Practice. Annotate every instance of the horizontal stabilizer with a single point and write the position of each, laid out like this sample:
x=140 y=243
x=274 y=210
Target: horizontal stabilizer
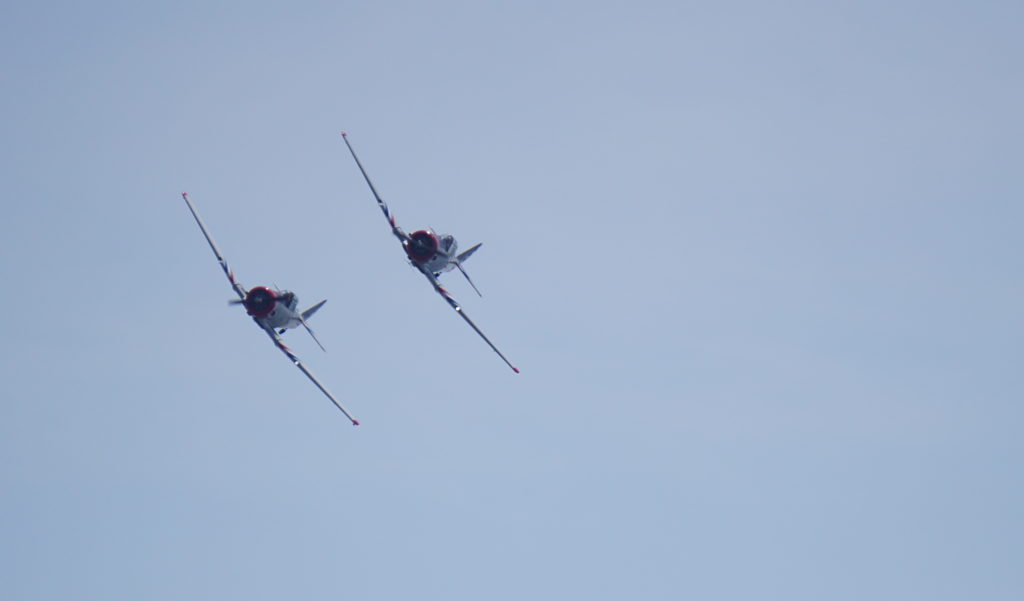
x=459 y=265
x=310 y=311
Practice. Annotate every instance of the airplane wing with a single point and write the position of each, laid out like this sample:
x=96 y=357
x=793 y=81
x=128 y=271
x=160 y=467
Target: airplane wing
x=458 y=309
x=401 y=235
x=397 y=231
x=238 y=288
x=288 y=352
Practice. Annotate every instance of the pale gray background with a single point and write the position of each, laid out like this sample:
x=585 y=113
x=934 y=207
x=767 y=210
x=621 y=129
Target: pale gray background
x=760 y=264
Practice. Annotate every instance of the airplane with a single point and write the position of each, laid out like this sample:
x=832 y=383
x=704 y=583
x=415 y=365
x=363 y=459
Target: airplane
x=274 y=311
x=431 y=254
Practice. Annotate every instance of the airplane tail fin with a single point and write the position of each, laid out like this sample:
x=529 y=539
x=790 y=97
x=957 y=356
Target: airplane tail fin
x=310 y=311
x=306 y=315
x=465 y=255
x=461 y=258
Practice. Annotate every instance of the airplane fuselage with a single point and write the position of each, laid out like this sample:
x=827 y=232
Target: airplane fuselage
x=430 y=251
x=275 y=308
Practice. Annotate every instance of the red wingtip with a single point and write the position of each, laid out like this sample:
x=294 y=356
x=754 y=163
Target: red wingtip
x=344 y=135
x=515 y=369
x=355 y=422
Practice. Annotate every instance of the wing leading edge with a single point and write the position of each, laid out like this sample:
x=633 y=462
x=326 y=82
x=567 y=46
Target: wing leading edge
x=238 y=288
x=458 y=309
x=279 y=343
x=397 y=231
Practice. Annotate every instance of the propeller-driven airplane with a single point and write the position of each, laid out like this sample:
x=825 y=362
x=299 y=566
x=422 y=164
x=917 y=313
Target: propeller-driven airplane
x=431 y=254
x=275 y=311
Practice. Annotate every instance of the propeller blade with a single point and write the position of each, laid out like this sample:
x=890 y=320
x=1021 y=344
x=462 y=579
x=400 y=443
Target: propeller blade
x=236 y=301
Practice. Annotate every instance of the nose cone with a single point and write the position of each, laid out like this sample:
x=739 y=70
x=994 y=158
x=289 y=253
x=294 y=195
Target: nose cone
x=422 y=246
x=260 y=301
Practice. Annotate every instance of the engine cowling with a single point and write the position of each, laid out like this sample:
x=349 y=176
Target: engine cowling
x=260 y=301
x=422 y=246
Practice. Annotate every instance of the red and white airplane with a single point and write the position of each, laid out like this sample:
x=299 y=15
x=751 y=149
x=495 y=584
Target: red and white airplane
x=431 y=254
x=274 y=311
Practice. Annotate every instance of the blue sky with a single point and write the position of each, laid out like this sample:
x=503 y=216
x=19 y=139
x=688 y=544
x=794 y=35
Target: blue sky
x=759 y=264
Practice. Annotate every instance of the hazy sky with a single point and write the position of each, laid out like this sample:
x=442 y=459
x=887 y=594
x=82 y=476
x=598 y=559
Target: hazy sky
x=760 y=265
